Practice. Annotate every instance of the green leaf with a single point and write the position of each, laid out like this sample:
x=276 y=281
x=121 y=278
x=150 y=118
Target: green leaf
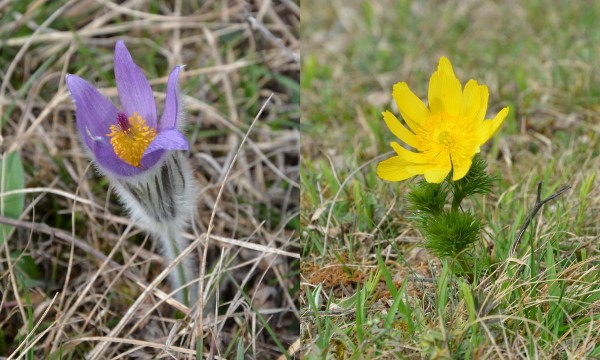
x=389 y=282
x=27 y=270
x=469 y=301
x=450 y=233
x=442 y=289
x=427 y=199
x=11 y=178
x=240 y=350
x=584 y=191
x=361 y=316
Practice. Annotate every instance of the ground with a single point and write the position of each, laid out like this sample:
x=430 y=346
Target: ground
x=369 y=288
x=73 y=265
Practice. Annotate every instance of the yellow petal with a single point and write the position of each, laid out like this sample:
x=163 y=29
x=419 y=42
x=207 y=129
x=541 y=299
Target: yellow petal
x=485 y=94
x=461 y=169
x=436 y=174
x=393 y=169
x=399 y=130
x=408 y=156
x=471 y=100
x=445 y=91
x=434 y=94
x=489 y=127
x=412 y=109
x=435 y=171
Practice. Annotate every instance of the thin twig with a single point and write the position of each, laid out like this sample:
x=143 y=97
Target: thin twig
x=536 y=207
x=337 y=194
x=200 y=328
x=56 y=233
x=33 y=332
x=82 y=245
x=255 y=24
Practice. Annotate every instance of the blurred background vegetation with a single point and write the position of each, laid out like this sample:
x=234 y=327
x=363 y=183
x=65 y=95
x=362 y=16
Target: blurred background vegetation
x=359 y=249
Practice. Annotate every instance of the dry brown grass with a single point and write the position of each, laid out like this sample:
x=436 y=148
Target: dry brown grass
x=98 y=291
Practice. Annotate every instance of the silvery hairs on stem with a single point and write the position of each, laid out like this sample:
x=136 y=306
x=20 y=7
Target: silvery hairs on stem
x=142 y=158
x=162 y=202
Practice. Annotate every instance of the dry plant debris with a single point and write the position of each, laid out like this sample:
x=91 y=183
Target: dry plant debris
x=74 y=270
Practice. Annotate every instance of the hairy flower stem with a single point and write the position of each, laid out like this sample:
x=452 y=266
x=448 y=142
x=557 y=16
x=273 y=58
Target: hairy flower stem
x=162 y=202
x=173 y=245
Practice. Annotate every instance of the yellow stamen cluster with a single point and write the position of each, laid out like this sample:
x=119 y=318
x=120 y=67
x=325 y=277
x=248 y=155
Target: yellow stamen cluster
x=130 y=138
x=443 y=135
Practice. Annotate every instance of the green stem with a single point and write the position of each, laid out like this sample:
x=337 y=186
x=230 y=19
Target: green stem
x=456 y=200
x=180 y=268
x=456 y=203
x=463 y=264
x=468 y=271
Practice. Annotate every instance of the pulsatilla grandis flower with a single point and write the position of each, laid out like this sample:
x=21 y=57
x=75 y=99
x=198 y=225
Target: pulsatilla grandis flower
x=130 y=141
x=446 y=135
x=136 y=152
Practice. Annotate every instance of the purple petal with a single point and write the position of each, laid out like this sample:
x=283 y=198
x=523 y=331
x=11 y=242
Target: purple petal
x=170 y=139
x=95 y=113
x=149 y=159
x=171 y=110
x=107 y=160
x=134 y=89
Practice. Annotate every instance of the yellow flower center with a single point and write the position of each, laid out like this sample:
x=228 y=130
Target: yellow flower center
x=130 y=138
x=444 y=138
x=446 y=135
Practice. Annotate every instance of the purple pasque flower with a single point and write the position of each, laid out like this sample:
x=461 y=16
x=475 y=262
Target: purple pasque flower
x=128 y=142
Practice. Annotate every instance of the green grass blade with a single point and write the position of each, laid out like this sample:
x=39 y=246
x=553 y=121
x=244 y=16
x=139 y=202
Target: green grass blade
x=11 y=178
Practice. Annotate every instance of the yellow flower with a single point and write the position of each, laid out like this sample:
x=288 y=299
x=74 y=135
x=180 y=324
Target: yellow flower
x=446 y=135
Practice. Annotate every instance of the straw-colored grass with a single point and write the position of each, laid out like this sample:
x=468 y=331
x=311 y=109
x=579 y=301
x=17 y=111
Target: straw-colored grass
x=77 y=278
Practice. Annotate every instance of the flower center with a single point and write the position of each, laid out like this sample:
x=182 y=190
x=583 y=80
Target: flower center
x=443 y=134
x=130 y=137
x=444 y=137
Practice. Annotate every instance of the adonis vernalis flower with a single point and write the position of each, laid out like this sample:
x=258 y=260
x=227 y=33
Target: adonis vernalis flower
x=137 y=153
x=446 y=135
